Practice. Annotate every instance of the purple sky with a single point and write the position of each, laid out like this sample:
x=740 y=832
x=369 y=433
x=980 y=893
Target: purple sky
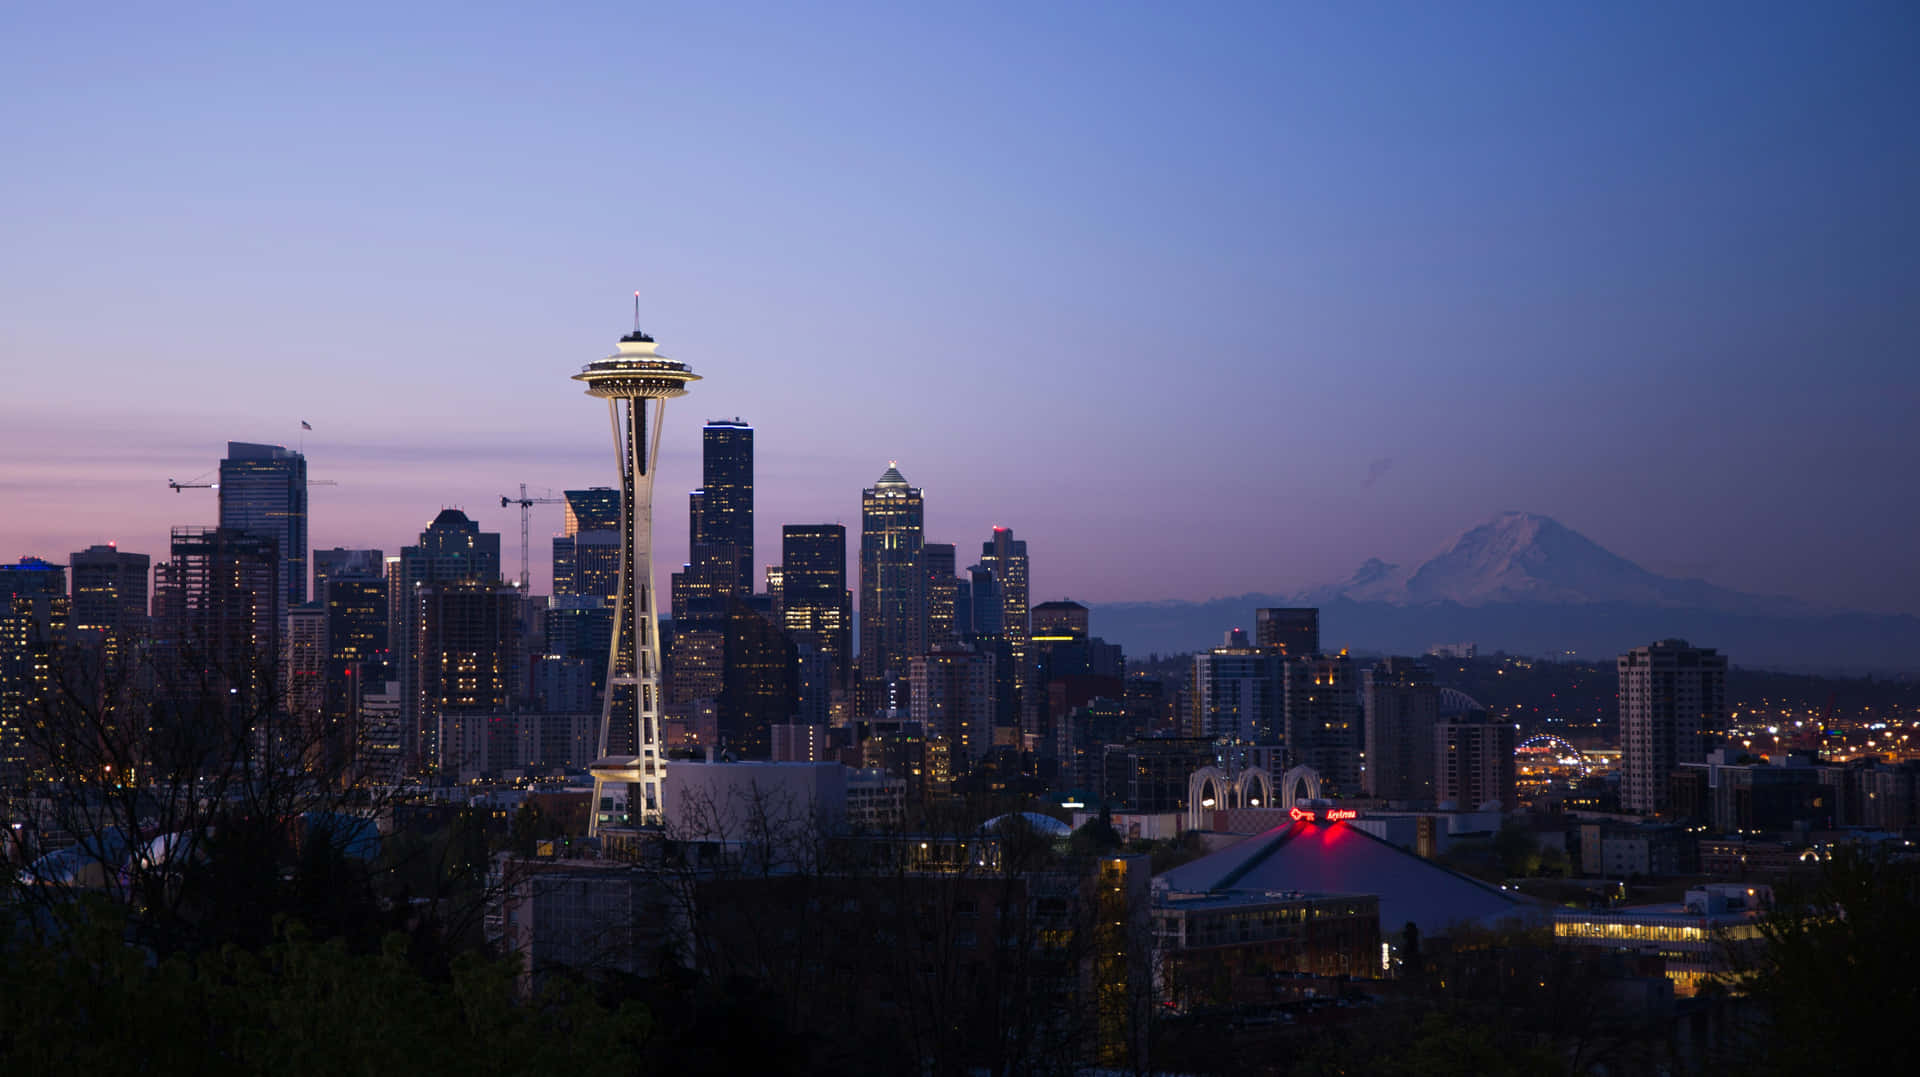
x=1198 y=300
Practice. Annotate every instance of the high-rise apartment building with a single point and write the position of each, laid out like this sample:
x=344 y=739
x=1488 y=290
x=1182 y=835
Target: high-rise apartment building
x=263 y=491
x=1322 y=718
x=815 y=605
x=1402 y=706
x=1290 y=630
x=1238 y=694
x=33 y=626
x=1673 y=700
x=1473 y=762
x=951 y=696
x=893 y=585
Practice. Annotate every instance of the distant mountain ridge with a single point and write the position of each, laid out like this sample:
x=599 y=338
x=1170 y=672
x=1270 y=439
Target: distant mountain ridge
x=1525 y=583
x=1523 y=557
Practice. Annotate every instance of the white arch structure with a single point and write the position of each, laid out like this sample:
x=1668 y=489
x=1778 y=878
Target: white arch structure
x=1211 y=789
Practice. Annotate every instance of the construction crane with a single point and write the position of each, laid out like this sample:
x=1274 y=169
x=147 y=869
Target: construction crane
x=196 y=484
x=526 y=509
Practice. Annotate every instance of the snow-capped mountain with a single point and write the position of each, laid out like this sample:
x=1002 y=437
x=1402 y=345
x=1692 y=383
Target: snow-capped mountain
x=1522 y=582
x=1527 y=558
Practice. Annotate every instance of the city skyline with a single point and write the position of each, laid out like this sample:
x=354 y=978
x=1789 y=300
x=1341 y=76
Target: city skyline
x=1641 y=271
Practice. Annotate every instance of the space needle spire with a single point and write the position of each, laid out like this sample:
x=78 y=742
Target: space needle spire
x=631 y=766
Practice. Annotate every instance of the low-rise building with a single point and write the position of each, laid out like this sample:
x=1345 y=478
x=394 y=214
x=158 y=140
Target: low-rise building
x=1223 y=947
x=1700 y=939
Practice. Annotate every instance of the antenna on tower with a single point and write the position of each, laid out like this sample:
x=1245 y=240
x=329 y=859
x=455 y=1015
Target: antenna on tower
x=636 y=312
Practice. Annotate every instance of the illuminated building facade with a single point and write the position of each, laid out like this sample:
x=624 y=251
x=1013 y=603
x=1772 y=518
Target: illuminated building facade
x=357 y=642
x=942 y=591
x=634 y=381
x=952 y=698
x=452 y=549
x=468 y=636
x=1694 y=942
x=1006 y=558
x=263 y=491
x=1221 y=948
x=724 y=549
x=1060 y=621
x=893 y=586
x=1239 y=694
x=815 y=606
x=1673 y=701
x=303 y=666
x=1322 y=719
x=33 y=628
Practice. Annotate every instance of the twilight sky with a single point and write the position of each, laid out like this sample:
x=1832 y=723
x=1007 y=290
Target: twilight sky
x=1198 y=299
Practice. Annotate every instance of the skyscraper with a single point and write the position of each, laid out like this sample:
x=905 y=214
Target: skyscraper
x=942 y=591
x=814 y=603
x=586 y=556
x=725 y=507
x=452 y=549
x=33 y=626
x=893 y=586
x=1323 y=719
x=628 y=773
x=1673 y=700
x=467 y=671
x=263 y=491
x=1402 y=708
x=760 y=686
x=1006 y=558
x=358 y=661
x=1239 y=695
x=218 y=599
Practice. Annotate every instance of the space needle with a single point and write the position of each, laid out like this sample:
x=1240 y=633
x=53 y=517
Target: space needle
x=628 y=772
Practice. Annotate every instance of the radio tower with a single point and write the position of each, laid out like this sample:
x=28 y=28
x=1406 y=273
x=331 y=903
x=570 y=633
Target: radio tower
x=628 y=773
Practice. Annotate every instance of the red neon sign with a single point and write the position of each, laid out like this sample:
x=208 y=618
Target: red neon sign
x=1334 y=815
